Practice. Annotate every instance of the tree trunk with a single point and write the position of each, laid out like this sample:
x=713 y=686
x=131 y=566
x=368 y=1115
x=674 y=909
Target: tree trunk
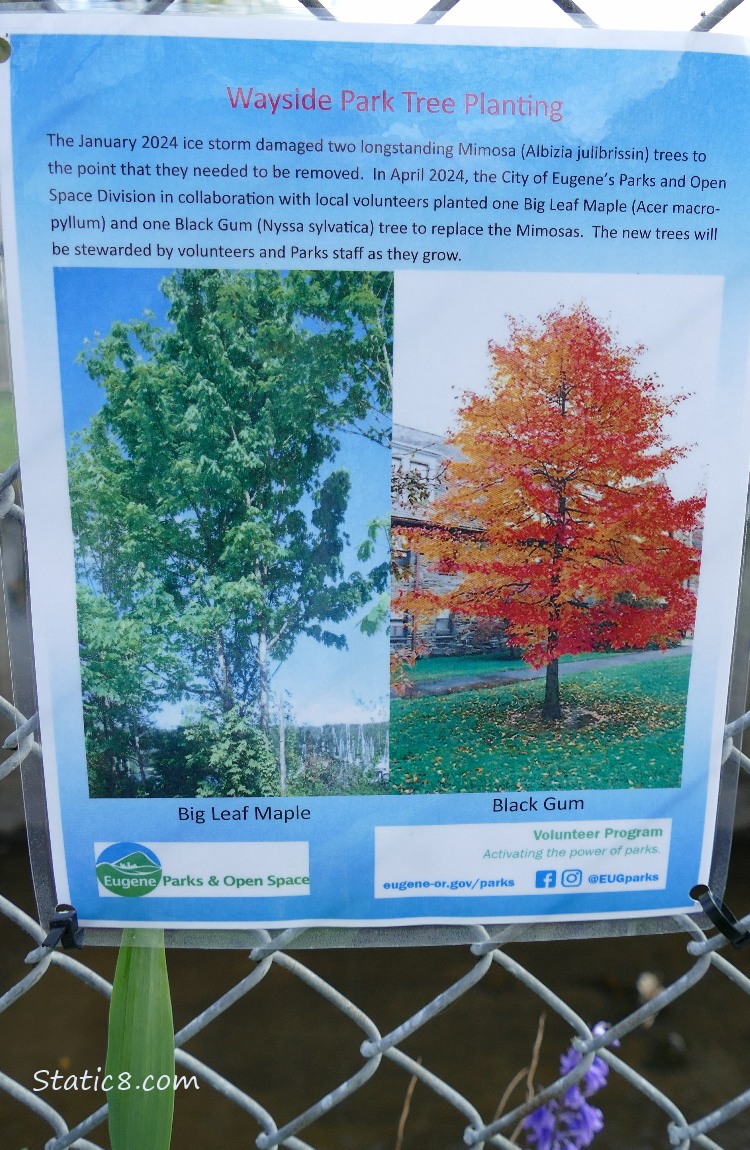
x=225 y=679
x=282 y=749
x=552 y=712
x=139 y=757
x=263 y=687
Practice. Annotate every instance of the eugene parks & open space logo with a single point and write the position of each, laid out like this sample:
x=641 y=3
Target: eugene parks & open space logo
x=128 y=869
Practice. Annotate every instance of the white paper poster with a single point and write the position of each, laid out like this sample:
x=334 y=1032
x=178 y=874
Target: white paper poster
x=382 y=408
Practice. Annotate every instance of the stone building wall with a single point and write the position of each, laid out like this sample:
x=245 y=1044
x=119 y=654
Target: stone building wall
x=418 y=462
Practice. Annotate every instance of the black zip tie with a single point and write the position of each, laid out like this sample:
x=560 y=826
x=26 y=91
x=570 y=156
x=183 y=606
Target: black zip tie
x=15 y=738
x=721 y=916
x=64 y=928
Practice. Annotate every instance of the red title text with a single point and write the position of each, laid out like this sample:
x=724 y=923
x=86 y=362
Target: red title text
x=410 y=102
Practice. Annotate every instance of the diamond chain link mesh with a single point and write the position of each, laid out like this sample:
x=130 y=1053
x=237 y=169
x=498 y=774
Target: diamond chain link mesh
x=485 y=949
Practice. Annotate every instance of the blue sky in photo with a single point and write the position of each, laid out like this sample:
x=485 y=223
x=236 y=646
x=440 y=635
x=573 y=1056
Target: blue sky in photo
x=322 y=684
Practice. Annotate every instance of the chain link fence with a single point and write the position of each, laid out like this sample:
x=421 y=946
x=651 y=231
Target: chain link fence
x=485 y=949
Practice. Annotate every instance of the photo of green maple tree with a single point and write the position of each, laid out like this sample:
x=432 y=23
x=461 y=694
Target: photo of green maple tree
x=228 y=457
x=545 y=573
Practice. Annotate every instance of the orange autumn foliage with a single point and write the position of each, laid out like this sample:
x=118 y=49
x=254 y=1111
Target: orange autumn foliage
x=558 y=515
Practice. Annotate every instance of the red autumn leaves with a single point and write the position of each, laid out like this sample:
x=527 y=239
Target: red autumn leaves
x=558 y=515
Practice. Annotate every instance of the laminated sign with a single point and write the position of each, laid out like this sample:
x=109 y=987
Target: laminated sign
x=383 y=421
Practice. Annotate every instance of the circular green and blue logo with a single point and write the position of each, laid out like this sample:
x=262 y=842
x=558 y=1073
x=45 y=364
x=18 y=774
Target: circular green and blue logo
x=128 y=869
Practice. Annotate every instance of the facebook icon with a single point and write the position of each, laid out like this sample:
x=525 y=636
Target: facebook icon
x=546 y=879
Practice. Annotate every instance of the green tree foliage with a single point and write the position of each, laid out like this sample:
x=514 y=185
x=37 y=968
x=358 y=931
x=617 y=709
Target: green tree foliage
x=233 y=757
x=207 y=508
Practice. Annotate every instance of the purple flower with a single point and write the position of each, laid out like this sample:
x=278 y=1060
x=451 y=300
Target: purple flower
x=582 y=1123
x=541 y=1126
x=570 y=1122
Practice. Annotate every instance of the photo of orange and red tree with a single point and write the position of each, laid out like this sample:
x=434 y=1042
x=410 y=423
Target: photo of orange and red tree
x=551 y=527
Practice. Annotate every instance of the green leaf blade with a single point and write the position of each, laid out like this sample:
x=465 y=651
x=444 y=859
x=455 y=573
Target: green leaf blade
x=140 y=1051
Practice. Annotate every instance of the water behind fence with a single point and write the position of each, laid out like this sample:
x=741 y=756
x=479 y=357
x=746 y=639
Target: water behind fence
x=385 y=1035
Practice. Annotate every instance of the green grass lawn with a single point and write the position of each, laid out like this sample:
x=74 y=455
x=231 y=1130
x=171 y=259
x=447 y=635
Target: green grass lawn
x=458 y=666
x=8 y=445
x=468 y=666
x=495 y=739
